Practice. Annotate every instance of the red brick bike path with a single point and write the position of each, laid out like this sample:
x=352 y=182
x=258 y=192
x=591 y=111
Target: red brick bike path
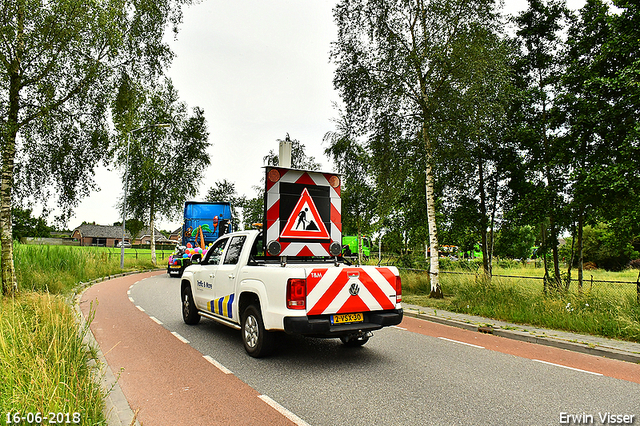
x=168 y=381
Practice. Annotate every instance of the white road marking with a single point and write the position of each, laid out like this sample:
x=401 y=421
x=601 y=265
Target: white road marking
x=399 y=328
x=141 y=308
x=570 y=368
x=182 y=339
x=131 y=299
x=220 y=367
x=279 y=408
x=155 y=319
x=462 y=343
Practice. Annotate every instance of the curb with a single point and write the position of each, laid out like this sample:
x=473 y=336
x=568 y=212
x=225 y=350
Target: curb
x=524 y=336
x=118 y=412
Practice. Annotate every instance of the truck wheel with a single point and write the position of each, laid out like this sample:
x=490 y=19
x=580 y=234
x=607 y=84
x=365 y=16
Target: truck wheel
x=355 y=340
x=258 y=342
x=189 y=312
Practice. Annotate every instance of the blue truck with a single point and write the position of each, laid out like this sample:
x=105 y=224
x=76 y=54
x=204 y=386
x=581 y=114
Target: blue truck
x=203 y=223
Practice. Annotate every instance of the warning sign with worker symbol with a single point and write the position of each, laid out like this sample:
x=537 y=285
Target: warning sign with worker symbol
x=302 y=213
x=305 y=221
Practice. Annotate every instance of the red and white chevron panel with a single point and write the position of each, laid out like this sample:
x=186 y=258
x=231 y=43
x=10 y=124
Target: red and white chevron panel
x=275 y=224
x=350 y=290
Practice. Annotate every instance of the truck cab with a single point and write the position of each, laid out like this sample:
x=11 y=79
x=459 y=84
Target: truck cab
x=204 y=223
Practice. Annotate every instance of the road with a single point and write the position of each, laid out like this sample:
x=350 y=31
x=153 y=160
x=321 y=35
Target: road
x=418 y=373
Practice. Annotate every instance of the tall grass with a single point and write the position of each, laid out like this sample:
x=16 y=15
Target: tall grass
x=43 y=362
x=58 y=269
x=609 y=310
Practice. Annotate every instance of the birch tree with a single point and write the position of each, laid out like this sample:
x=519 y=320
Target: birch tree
x=403 y=68
x=57 y=62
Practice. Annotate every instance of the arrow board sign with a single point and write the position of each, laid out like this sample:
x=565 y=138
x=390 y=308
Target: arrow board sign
x=305 y=221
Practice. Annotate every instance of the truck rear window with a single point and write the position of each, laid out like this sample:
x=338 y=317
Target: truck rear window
x=234 y=250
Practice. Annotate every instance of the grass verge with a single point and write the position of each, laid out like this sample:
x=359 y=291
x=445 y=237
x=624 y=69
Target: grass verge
x=607 y=310
x=44 y=366
x=58 y=269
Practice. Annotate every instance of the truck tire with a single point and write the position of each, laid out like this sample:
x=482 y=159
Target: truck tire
x=189 y=312
x=258 y=342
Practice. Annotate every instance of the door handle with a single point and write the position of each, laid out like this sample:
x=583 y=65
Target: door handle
x=231 y=276
x=211 y=275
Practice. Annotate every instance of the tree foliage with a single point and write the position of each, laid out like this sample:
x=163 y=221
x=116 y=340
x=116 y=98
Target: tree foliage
x=517 y=137
x=225 y=191
x=164 y=166
x=25 y=225
x=58 y=63
x=410 y=74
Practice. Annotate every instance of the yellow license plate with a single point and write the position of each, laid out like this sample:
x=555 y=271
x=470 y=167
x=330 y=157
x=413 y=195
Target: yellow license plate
x=346 y=318
x=174 y=266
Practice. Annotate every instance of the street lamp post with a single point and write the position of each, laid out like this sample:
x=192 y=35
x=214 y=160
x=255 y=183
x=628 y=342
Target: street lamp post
x=126 y=183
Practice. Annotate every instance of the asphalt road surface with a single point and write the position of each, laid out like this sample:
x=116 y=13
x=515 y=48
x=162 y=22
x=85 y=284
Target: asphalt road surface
x=417 y=374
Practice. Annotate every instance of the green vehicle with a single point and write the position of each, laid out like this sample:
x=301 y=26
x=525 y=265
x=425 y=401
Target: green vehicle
x=350 y=246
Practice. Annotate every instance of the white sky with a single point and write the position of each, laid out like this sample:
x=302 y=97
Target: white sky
x=259 y=69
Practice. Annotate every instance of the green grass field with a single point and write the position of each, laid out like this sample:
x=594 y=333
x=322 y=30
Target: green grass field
x=57 y=269
x=599 y=308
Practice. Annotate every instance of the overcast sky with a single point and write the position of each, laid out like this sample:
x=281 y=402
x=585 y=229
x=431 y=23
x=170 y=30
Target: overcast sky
x=259 y=69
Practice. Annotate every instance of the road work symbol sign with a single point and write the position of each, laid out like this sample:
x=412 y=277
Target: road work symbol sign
x=305 y=221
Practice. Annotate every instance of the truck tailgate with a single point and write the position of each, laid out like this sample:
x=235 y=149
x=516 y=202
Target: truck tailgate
x=351 y=289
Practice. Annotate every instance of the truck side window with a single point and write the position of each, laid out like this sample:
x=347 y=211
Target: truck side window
x=233 y=251
x=215 y=252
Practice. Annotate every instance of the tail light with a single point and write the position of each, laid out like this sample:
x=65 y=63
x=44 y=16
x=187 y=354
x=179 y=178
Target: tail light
x=398 y=289
x=296 y=293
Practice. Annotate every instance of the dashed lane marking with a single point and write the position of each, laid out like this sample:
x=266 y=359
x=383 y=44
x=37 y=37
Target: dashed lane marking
x=131 y=299
x=279 y=408
x=570 y=368
x=156 y=320
x=462 y=343
x=141 y=308
x=399 y=328
x=219 y=366
x=182 y=339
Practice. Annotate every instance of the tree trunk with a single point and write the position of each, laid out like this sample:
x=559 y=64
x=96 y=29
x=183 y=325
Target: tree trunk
x=580 y=251
x=359 y=241
x=570 y=266
x=9 y=135
x=9 y=281
x=152 y=225
x=543 y=234
x=483 y=222
x=556 y=259
x=434 y=267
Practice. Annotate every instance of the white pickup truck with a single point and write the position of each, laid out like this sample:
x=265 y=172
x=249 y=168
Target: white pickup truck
x=238 y=285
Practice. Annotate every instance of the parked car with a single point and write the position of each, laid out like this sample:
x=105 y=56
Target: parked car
x=127 y=244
